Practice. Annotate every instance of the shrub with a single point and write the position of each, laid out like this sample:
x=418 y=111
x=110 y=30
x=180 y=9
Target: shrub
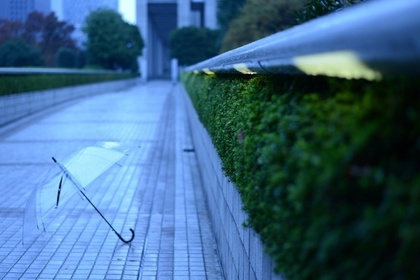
x=67 y=58
x=17 y=53
x=327 y=169
x=12 y=84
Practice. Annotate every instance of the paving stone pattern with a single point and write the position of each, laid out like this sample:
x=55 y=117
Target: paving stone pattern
x=158 y=192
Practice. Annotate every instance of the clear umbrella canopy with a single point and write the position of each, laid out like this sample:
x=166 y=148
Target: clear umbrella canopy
x=70 y=176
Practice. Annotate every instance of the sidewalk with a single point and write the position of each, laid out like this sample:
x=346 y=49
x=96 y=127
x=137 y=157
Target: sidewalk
x=158 y=194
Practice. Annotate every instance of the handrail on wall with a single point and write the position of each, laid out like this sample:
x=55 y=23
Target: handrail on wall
x=369 y=41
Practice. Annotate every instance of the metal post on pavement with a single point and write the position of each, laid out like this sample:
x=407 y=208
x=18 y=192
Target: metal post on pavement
x=174 y=70
x=143 y=68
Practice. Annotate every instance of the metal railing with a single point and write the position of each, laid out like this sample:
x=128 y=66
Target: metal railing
x=369 y=41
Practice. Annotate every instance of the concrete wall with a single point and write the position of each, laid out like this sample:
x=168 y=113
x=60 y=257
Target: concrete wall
x=16 y=106
x=240 y=249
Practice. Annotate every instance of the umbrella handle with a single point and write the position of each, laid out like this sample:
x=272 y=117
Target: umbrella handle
x=122 y=239
x=109 y=224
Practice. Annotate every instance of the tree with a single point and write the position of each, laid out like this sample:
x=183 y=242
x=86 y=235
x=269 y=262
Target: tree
x=44 y=32
x=55 y=35
x=10 y=30
x=191 y=44
x=112 y=43
x=227 y=10
x=133 y=47
x=258 y=19
x=33 y=27
x=17 y=53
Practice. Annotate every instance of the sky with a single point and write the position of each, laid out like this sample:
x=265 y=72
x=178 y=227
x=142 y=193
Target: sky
x=128 y=10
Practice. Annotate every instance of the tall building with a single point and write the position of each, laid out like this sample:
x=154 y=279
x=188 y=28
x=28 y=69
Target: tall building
x=157 y=18
x=19 y=9
x=75 y=12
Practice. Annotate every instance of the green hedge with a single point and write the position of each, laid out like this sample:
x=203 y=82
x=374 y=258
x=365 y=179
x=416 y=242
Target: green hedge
x=17 y=83
x=328 y=169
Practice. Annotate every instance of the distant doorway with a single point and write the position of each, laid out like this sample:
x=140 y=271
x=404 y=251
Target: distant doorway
x=162 y=20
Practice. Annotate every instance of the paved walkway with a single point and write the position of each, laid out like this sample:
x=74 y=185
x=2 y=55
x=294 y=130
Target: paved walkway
x=158 y=193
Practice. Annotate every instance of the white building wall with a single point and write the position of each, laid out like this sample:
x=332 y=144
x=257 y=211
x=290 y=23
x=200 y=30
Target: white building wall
x=43 y=6
x=210 y=14
x=57 y=8
x=184 y=13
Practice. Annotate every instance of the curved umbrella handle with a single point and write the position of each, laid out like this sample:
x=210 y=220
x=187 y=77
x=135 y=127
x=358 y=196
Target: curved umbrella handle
x=109 y=224
x=123 y=240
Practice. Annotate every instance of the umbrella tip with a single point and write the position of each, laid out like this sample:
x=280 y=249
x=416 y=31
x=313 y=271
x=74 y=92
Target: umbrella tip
x=54 y=159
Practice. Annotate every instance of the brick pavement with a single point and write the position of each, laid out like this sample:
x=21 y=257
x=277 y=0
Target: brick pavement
x=158 y=193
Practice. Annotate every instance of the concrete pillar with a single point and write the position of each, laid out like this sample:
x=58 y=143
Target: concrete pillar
x=159 y=58
x=184 y=13
x=210 y=14
x=143 y=68
x=174 y=70
x=142 y=16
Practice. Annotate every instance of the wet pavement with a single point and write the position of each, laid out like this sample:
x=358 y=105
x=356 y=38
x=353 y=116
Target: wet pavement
x=157 y=192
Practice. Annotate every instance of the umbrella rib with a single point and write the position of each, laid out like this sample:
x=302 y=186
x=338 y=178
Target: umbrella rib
x=59 y=191
x=69 y=175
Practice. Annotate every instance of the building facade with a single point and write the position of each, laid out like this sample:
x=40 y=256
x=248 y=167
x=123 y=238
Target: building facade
x=157 y=19
x=20 y=9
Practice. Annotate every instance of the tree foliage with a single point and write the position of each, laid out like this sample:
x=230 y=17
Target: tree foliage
x=259 y=18
x=317 y=8
x=191 y=44
x=112 y=42
x=54 y=35
x=18 y=53
x=10 y=30
x=227 y=10
x=44 y=32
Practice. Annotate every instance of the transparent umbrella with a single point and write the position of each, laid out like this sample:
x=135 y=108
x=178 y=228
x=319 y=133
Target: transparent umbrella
x=70 y=176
